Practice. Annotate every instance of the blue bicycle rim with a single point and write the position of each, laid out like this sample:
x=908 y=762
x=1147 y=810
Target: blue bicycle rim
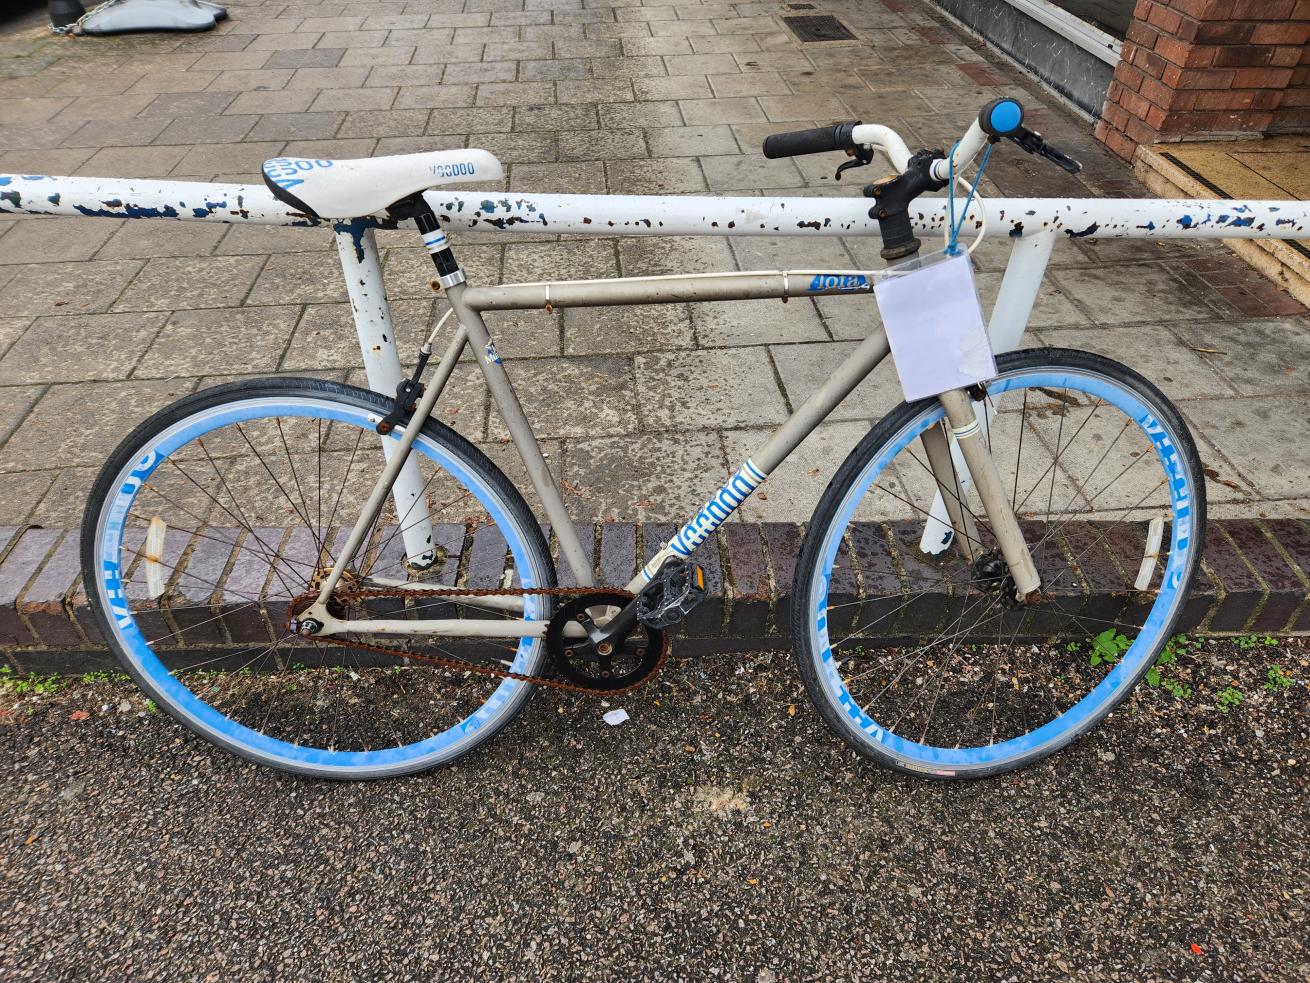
x=947 y=761
x=211 y=721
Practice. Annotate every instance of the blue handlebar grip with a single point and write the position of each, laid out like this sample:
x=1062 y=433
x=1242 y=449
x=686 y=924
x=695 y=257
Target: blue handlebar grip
x=1001 y=117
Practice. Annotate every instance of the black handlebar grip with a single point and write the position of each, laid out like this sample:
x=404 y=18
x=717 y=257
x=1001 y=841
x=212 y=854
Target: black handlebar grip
x=817 y=141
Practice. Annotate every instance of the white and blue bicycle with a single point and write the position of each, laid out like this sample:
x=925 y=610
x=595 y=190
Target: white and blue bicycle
x=389 y=602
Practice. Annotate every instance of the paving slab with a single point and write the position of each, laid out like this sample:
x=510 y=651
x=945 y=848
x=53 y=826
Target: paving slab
x=58 y=431
x=756 y=322
x=729 y=387
x=669 y=98
x=599 y=330
x=801 y=478
x=229 y=341
x=186 y=283
x=12 y=328
x=84 y=347
x=69 y=288
x=575 y=397
x=1156 y=352
x=1255 y=356
x=144 y=240
x=1150 y=293
x=803 y=368
x=53 y=240
x=325 y=335
x=616 y=486
x=1259 y=435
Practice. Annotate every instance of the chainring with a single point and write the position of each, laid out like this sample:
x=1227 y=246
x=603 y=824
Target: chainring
x=632 y=660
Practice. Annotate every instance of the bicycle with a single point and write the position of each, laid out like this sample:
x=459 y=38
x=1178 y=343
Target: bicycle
x=337 y=667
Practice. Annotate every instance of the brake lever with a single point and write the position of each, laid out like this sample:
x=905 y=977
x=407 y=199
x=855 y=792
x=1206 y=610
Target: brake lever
x=1062 y=160
x=1032 y=142
x=860 y=156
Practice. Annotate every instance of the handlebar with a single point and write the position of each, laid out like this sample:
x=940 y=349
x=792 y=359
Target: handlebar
x=850 y=137
x=999 y=119
x=921 y=172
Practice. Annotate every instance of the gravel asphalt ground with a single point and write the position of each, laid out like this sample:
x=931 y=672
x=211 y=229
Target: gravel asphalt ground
x=720 y=834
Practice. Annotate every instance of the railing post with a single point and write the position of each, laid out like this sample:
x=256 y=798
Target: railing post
x=1029 y=257
x=358 y=248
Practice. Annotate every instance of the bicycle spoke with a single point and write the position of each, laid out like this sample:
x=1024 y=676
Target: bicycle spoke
x=332 y=516
x=957 y=495
x=304 y=516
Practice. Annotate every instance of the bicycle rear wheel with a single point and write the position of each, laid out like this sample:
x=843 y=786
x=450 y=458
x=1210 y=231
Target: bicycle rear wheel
x=218 y=512
x=921 y=662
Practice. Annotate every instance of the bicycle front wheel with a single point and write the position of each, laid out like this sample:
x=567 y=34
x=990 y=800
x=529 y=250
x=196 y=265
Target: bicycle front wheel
x=215 y=519
x=924 y=662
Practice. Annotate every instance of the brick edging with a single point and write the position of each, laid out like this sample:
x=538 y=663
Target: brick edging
x=1255 y=578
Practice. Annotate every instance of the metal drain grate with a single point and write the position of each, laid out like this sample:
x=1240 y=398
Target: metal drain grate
x=801 y=6
x=820 y=28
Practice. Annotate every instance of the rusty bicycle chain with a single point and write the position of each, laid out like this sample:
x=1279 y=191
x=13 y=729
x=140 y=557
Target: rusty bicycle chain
x=463 y=665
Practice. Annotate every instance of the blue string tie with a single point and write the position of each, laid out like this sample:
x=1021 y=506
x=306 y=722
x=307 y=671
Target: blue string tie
x=953 y=247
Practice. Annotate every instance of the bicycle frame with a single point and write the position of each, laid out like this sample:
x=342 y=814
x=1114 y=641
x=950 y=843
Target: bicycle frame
x=469 y=302
x=1032 y=224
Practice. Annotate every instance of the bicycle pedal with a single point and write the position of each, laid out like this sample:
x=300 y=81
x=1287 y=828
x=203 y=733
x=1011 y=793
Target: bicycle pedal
x=671 y=595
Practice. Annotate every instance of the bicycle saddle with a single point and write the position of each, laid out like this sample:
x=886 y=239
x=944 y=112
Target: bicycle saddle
x=340 y=189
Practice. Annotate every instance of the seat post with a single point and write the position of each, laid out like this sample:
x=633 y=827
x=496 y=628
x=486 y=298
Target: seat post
x=438 y=246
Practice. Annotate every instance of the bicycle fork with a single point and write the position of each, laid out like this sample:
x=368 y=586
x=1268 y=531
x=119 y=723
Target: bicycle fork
x=967 y=431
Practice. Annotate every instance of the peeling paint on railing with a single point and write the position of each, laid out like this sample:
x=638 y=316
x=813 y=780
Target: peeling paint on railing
x=36 y=194
x=669 y=214
x=1014 y=217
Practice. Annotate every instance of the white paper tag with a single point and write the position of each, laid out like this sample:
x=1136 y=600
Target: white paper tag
x=935 y=325
x=615 y=717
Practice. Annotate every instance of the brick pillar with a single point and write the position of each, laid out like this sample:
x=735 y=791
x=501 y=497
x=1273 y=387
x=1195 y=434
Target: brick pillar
x=1209 y=69
x=1293 y=113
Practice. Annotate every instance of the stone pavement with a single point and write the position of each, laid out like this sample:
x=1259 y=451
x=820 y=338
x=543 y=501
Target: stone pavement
x=1271 y=168
x=104 y=321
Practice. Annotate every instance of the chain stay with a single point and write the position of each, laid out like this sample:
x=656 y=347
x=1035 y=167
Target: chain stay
x=462 y=665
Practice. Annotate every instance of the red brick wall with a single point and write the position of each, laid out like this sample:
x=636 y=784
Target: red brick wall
x=1209 y=69
x=1293 y=113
